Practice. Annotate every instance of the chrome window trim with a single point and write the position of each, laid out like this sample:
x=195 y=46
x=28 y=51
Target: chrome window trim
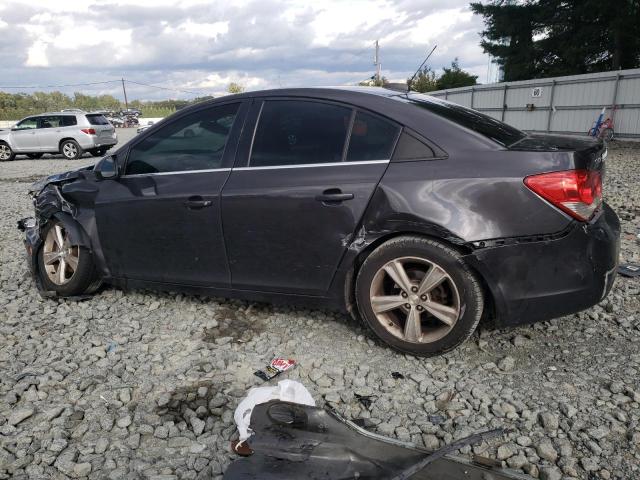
x=311 y=165
x=177 y=172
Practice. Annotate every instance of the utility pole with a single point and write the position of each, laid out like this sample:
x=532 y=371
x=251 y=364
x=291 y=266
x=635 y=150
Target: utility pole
x=124 y=90
x=377 y=63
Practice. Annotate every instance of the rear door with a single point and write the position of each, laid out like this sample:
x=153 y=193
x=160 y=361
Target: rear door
x=293 y=202
x=160 y=220
x=50 y=132
x=24 y=135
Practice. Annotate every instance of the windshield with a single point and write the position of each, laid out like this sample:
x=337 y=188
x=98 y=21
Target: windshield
x=483 y=124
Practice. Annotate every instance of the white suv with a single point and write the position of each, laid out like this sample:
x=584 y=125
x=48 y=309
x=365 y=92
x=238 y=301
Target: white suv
x=68 y=133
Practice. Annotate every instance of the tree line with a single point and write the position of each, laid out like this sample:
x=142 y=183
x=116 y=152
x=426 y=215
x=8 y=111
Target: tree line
x=14 y=106
x=547 y=38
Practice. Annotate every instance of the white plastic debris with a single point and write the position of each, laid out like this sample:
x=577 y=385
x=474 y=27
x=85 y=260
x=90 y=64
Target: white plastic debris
x=286 y=390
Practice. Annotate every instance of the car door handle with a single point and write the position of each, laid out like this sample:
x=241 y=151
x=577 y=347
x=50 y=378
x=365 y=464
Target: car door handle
x=195 y=203
x=334 y=195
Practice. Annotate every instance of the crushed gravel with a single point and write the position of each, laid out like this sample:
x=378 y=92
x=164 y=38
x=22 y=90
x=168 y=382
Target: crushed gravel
x=144 y=385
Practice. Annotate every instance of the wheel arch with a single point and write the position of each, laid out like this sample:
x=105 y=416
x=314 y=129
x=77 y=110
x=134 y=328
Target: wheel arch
x=62 y=140
x=490 y=308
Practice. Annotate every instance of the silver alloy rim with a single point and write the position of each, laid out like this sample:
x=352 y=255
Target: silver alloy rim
x=415 y=300
x=60 y=258
x=69 y=150
x=5 y=152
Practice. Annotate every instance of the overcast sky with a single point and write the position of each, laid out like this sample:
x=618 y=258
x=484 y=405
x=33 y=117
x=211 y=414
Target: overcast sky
x=201 y=46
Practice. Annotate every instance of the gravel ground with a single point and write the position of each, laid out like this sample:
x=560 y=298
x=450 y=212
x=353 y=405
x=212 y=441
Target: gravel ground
x=144 y=385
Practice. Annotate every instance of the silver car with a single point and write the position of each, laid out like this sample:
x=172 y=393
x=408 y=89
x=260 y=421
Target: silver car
x=68 y=133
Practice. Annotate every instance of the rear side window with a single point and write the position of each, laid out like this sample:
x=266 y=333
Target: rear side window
x=193 y=142
x=51 y=121
x=295 y=132
x=483 y=124
x=410 y=148
x=372 y=138
x=97 y=119
x=69 y=121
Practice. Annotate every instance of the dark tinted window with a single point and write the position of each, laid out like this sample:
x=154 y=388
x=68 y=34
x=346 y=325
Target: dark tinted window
x=410 y=148
x=97 y=119
x=69 y=120
x=193 y=142
x=372 y=138
x=468 y=118
x=294 y=132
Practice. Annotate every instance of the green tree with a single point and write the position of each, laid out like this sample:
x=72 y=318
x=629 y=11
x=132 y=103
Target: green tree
x=539 y=38
x=454 y=77
x=235 y=88
x=424 y=81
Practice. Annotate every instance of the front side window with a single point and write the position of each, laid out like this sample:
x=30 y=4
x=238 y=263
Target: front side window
x=27 y=124
x=372 y=138
x=193 y=142
x=296 y=132
x=52 y=121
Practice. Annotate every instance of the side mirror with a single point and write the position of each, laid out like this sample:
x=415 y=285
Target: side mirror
x=107 y=168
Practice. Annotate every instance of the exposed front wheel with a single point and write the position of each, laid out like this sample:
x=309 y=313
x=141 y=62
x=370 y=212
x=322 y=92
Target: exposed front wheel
x=64 y=268
x=6 y=154
x=418 y=296
x=70 y=149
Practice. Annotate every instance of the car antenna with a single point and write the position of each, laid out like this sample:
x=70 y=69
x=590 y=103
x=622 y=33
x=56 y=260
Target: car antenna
x=420 y=68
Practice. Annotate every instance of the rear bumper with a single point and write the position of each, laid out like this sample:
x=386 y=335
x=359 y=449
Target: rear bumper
x=91 y=143
x=541 y=280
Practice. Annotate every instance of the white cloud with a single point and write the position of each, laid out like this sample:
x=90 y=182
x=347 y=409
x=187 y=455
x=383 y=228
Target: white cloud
x=201 y=44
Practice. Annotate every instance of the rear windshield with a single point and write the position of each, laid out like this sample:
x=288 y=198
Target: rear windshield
x=483 y=124
x=97 y=119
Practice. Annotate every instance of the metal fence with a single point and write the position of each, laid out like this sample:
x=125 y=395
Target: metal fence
x=561 y=104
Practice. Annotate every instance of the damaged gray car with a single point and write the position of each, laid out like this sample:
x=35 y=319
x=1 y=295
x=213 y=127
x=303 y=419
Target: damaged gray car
x=418 y=216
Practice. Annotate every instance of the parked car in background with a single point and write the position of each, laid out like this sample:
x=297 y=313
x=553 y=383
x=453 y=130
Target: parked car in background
x=417 y=215
x=70 y=133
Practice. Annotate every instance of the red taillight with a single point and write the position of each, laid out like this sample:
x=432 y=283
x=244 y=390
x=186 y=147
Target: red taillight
x=576 y=192
x=88 y=131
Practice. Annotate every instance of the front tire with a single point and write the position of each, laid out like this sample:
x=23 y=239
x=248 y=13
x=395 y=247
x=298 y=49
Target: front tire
x=71 y=149
x=418 y=296
x=64 y=268
x=6 y=154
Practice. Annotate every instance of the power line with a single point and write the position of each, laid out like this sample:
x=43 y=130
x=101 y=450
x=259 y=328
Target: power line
x=59 y=86
x=166 y=88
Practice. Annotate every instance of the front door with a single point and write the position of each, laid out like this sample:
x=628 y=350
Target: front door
x=24 y=135
x=291 y=209
x=160 y=220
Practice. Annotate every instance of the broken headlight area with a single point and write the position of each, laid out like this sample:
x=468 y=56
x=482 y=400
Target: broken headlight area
x=293 y=441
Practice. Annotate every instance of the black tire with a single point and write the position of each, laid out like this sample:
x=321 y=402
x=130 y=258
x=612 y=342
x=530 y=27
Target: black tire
x=34 y=156
x=81 y=280
x=470 y=302
x=6 y=153
x=70 y=149
x=98 y=152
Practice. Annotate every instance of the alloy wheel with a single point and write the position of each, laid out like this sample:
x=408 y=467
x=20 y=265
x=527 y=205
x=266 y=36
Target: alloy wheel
x=69 y=150
x=415 y=299
x=5 y=152
x=60 y=258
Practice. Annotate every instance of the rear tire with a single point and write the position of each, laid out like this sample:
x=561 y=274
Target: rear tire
x=98 y=152
x=418 y=296
x=70 y=149
x=6 y=154
x=62 y=267
x=34 y=156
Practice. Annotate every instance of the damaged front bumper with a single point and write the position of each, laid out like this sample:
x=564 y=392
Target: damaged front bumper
x=293 y=441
